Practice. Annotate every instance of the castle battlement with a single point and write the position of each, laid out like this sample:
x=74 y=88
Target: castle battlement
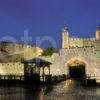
x=68 y=42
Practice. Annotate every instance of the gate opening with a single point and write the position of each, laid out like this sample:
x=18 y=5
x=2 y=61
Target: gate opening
x=76 y=69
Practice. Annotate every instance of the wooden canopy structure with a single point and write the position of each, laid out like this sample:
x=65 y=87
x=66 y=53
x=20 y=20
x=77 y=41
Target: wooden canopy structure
x=37 y=61
x=32 y=67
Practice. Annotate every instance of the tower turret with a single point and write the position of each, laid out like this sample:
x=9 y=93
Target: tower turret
x=98 y=32
x=65 y=38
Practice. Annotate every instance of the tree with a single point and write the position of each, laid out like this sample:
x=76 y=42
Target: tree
x=49 y=51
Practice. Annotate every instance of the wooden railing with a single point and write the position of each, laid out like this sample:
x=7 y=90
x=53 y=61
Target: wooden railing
x=11 y=77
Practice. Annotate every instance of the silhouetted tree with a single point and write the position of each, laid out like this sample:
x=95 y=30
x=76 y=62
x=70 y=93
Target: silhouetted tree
x=49 y=51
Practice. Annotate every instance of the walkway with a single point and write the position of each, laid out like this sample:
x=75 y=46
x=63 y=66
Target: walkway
x=71 y=90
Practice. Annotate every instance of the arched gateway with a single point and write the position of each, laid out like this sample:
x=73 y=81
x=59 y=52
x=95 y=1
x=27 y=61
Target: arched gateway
x=76 y=68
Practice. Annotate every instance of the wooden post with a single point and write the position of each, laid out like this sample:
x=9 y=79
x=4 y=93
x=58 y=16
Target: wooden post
x=49 y=69
x=43 y=73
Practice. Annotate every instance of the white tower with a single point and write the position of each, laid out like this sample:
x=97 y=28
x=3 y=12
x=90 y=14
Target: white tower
x=98 y=33
x=65 y=38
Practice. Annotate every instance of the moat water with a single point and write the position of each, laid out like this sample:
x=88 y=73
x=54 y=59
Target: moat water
x=67 y=90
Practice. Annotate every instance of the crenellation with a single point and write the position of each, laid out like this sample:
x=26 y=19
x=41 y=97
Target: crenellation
x=85 y=49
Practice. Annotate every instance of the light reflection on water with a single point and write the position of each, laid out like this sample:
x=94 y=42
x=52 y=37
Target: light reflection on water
x=68 y=90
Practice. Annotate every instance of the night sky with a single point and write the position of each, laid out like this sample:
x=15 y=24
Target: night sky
x=47 y=18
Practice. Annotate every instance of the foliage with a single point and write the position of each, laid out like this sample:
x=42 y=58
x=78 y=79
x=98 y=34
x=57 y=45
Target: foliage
x=49 y=51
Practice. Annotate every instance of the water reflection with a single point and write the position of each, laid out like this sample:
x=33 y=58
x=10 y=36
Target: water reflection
x=68 y=90
x=24 y=92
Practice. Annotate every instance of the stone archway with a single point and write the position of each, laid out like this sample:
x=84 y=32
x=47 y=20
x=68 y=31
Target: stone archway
x=76 y=68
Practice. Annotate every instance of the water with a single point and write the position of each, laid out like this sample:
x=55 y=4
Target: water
x=67 y=90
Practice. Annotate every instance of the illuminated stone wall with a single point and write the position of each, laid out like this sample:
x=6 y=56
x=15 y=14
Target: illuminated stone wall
x=85 y=49
x=90 y=55
x=11 y=55
x=15 y=52
x=81 y=42
x=12 y=68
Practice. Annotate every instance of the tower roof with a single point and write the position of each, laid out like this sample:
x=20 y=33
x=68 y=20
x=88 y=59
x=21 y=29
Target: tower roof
x=65 y=29
x=98 y=27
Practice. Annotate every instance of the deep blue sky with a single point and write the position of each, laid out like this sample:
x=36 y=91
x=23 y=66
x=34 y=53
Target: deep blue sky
x=47 y=18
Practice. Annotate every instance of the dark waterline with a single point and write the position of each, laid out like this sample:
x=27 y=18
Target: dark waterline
x=67 y=90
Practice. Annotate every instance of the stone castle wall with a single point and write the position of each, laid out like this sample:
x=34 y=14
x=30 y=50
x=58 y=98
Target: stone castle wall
x=15 y=52
x=90 y=55
x=81 y=42
x=12 y=68
x=85 y=49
